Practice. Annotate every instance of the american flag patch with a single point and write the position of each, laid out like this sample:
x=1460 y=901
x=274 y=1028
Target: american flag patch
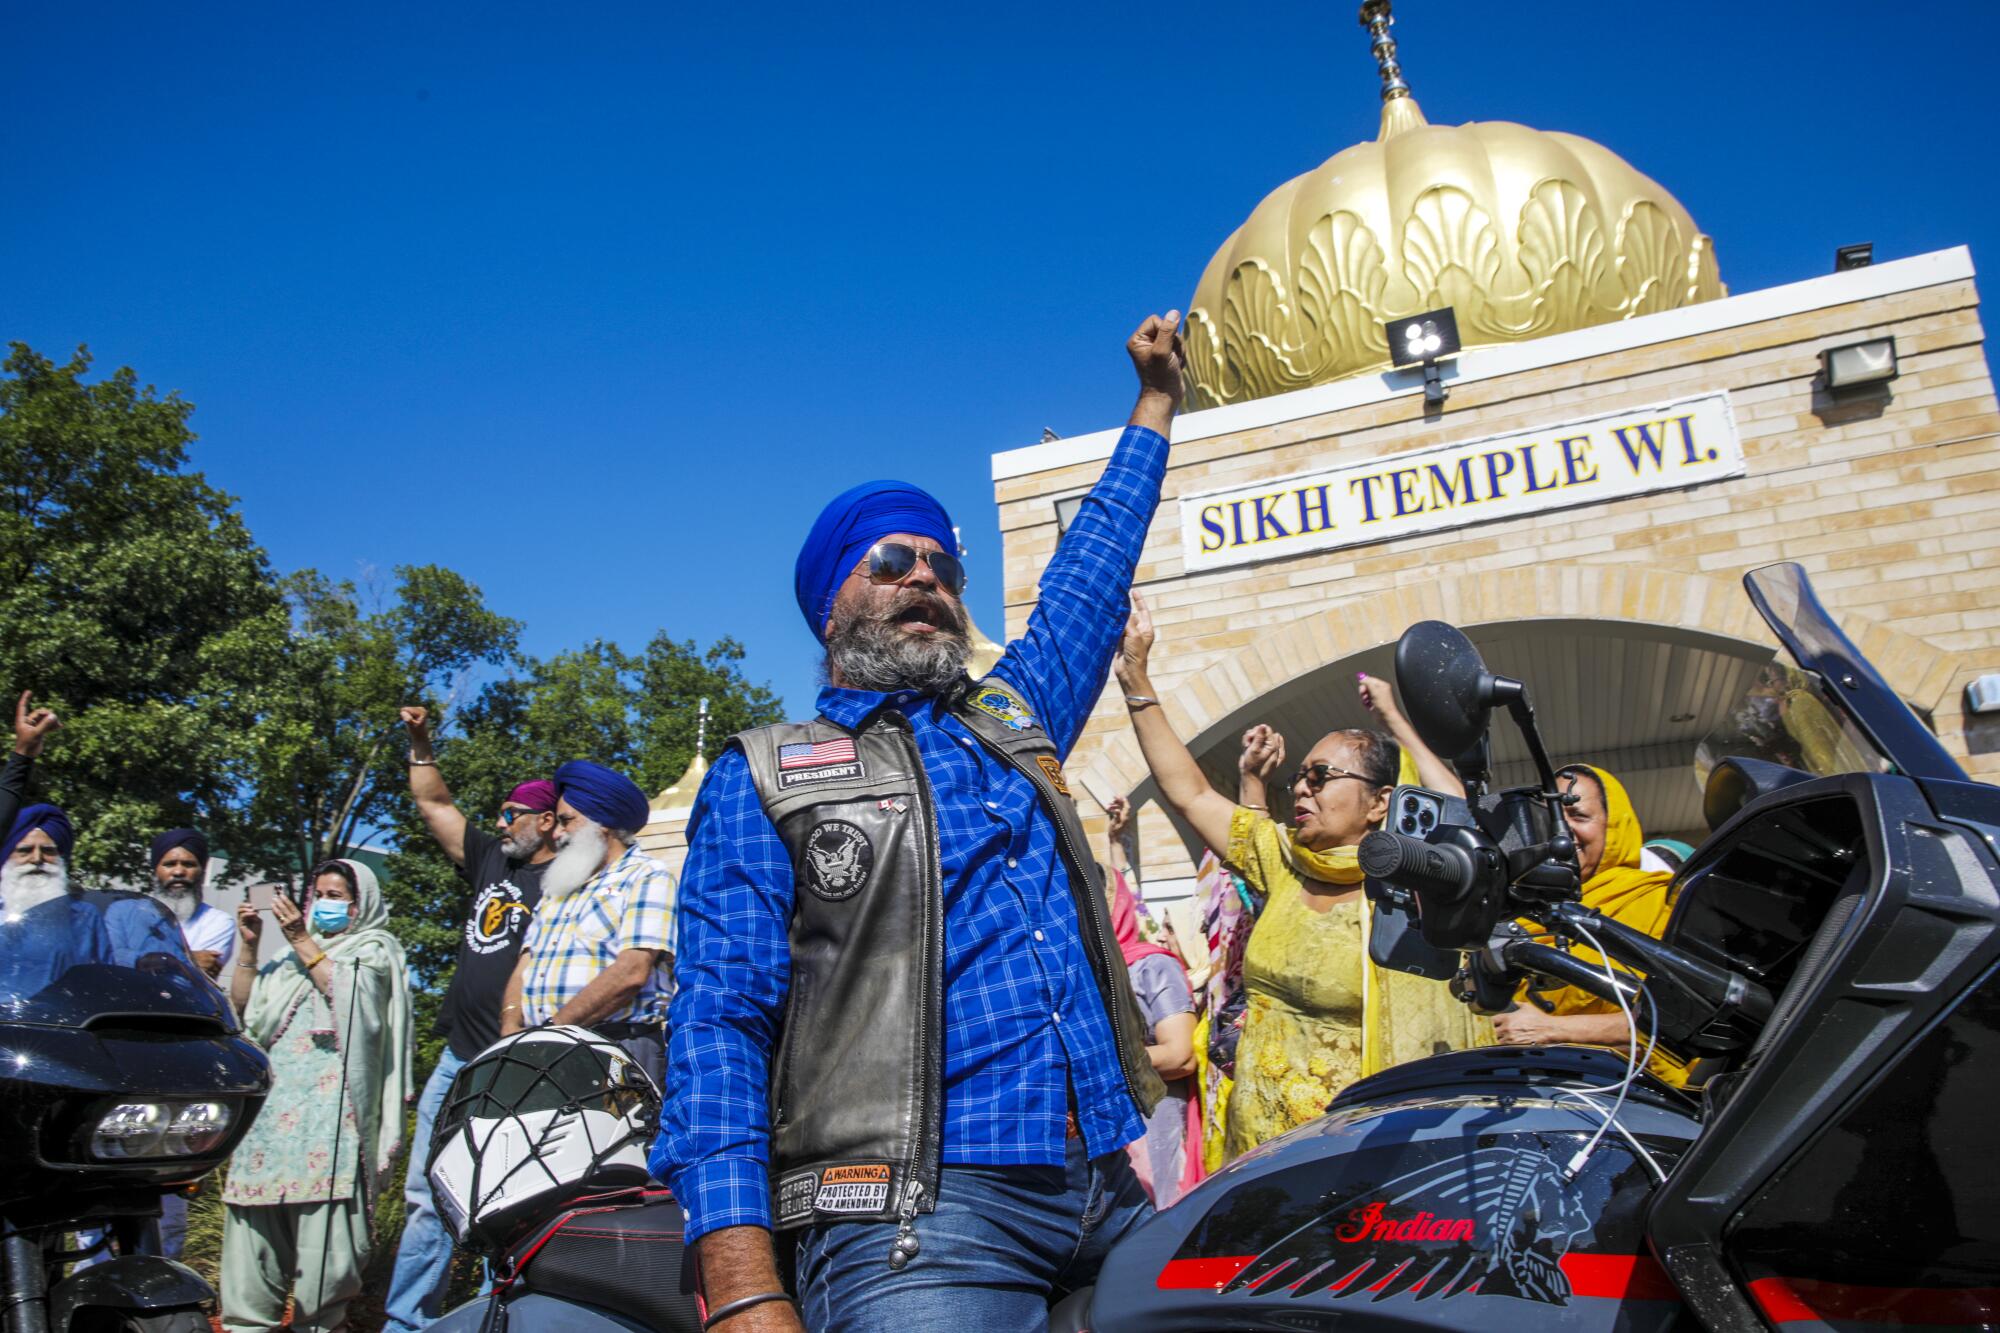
x=812 y=756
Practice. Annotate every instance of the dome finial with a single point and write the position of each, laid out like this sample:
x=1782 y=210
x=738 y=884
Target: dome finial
x=1376 y=18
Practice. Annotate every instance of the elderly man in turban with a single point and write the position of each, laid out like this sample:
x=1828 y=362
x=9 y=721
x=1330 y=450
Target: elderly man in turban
x=180 y=864
x=600 y=950
x=904 y=1030
x=503 y=863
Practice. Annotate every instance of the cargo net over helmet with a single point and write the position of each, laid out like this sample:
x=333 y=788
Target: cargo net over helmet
x=536 y=1120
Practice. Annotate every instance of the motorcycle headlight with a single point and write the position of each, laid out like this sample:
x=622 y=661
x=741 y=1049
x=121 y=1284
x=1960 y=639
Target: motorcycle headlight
x=160 y=1129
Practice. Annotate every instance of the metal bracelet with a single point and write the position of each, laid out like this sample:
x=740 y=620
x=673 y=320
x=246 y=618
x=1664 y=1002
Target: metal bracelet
x=1142 y=700
x=737 y=1307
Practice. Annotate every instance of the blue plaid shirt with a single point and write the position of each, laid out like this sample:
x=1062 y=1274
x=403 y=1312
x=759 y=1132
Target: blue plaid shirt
x=1023 y=1021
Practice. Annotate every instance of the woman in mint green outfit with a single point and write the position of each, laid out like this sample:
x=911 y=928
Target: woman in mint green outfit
x=333 y=1011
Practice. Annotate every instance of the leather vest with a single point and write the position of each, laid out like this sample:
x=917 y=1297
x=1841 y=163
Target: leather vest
x=856 y=1100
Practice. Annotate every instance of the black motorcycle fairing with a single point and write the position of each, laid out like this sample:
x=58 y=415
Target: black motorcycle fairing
x=1878 y=918
x=1419 y=1202
x=129 y=1283
x=61 y=1079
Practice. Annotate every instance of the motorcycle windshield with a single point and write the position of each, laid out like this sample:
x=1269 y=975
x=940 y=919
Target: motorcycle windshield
x=1832 y=712
x=72 y=959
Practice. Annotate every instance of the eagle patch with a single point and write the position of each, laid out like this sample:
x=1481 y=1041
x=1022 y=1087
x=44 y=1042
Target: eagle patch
x=839 y=860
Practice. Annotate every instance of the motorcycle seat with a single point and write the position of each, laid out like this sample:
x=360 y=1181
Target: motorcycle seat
x=624 y=1252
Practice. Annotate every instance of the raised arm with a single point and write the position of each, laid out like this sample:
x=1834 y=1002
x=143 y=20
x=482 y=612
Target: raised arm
x=1432 y=771
x=1263 y=755
x=427 y=786
x=31 y=732
x=1058 y=663
x=1182 y=784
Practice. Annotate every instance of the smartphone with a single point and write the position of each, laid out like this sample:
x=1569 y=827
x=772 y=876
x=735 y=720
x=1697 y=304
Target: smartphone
x=262 y=895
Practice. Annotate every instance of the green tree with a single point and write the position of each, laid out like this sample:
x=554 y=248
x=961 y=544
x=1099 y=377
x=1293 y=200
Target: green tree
x=636 y=713
x=134 y=601
x=326 y=762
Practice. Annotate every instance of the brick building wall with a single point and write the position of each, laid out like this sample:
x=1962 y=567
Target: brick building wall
x=1890 y=499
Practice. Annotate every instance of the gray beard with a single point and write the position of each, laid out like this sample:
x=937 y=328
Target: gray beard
x=183 y=903
x=871 y=653
x=579 y=856
x=520 y=849
x=25 y=887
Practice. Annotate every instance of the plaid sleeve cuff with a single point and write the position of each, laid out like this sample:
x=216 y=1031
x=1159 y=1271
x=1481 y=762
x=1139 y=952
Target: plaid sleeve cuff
x=723 y=1192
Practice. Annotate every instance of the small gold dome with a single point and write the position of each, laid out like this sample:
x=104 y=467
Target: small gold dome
x=1522 y=232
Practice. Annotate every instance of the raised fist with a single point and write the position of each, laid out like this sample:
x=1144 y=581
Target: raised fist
x=1158 y=357
x=416 y=718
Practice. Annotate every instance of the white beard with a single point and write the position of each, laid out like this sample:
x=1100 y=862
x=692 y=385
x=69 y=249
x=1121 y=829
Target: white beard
x=25 y=887
x=183 y=903
x=579 y=856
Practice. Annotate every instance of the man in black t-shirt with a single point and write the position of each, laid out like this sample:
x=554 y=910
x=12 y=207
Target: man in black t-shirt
x=505 y=871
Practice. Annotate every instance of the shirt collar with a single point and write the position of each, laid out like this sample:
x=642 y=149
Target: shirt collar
x=851 y=708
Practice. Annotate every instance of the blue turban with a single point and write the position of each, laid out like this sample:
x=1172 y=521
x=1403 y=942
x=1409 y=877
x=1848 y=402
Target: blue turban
x=602 y=795
x=192 y=839
x=49 y=820
x=853 y=522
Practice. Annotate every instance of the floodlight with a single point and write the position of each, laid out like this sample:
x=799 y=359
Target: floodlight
x=1067 y=508
x=1983 y=694
x=1858 y=364
x=1853 y=256
x=1416 y=339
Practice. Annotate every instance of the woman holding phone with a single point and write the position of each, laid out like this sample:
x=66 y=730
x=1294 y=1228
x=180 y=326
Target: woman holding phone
x=332 y=1008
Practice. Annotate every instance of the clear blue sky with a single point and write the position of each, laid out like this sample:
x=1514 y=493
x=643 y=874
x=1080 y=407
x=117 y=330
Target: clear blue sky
x=598 y=303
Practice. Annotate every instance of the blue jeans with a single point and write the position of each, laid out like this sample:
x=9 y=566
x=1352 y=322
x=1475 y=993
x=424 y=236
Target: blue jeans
x=423 y=1260
x=1004 y=1242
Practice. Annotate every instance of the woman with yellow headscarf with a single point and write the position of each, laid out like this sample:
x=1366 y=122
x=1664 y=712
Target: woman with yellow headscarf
x=1320 y=1015
x=1608 y=845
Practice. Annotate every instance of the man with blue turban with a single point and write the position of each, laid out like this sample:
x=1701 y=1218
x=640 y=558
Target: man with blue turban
x=599 y=951
x=904 y=1030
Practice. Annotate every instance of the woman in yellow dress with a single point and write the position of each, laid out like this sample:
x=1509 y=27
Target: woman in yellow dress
x=1319 y=1015
x=1608 y=845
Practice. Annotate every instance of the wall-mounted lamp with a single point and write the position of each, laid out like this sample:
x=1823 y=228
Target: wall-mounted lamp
x=1853 y=256
x=1425 y=340
x=1983 y=694
x=1067 y=508
x=1857 y=365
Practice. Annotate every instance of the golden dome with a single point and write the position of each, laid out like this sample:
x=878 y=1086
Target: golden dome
x=1522 y=232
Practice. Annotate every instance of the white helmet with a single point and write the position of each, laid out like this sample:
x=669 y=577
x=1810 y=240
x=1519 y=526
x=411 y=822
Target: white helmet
x=535 y=1120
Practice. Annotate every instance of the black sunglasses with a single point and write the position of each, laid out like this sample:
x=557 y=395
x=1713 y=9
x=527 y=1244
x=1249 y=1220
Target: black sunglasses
x=507 y=817
x=1316 y=776
x=892 y=562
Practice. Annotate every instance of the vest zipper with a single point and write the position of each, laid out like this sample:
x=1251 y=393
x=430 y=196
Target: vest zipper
x=906 y=1245
x=930 y=1070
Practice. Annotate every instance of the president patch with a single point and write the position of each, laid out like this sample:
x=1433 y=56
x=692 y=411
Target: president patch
x=821 y=761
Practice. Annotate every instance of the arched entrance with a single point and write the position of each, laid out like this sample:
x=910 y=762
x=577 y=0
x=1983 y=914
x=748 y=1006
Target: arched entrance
x=1627 y=668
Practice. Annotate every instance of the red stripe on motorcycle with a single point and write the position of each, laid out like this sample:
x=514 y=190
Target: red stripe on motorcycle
x=1637 y=1277
x=1192 y=1274
x=1790 y=1300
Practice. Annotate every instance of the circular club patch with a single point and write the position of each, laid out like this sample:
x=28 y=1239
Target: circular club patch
x=495 y=915
x=839 y=859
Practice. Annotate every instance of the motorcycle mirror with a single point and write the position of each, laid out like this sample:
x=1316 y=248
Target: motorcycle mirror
x=1441 y=682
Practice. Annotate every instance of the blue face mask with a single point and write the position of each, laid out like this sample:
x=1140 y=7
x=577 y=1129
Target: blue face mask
x=330 y=918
